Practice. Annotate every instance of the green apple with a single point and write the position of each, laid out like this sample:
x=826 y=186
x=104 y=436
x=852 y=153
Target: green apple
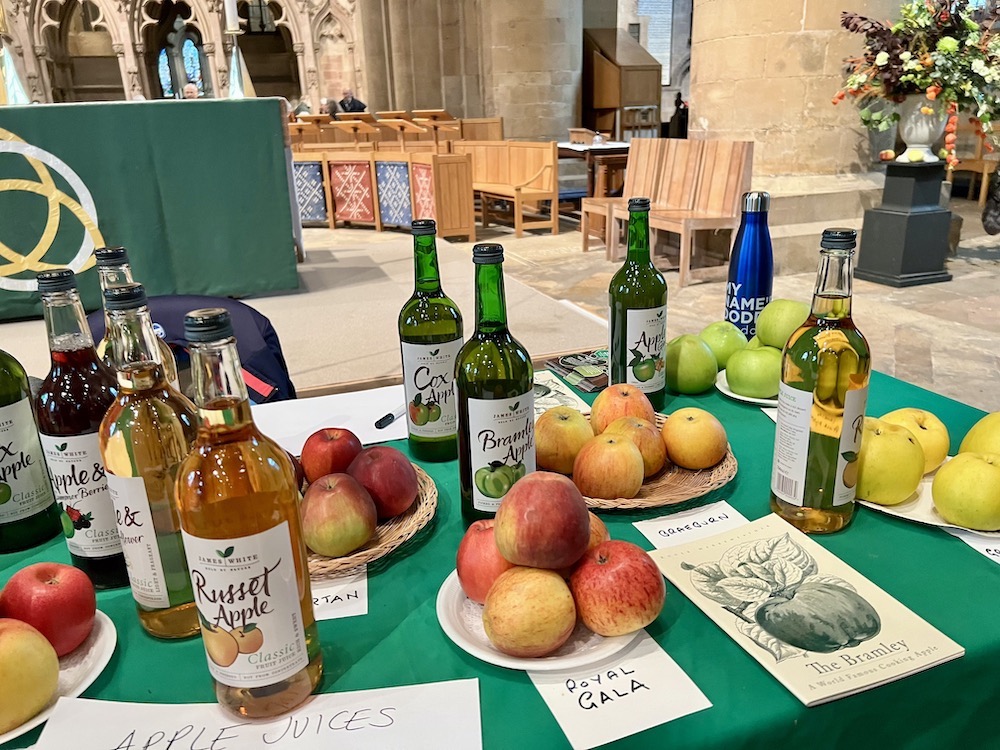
x=890 y=463
x=966 y=491
x=755 y=343
x=929 y=431
x=691 y=366
x=755 y=372
x=779 y=319
x=724 y=339
x=984 y=437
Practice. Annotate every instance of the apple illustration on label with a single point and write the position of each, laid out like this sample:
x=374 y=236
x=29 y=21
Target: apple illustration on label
x=819 y=617
x=419 y=413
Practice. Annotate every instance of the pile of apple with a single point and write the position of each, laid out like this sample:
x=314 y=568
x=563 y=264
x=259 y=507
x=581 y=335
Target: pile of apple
x=350 y=490
x=46 y=611
x=545 y=561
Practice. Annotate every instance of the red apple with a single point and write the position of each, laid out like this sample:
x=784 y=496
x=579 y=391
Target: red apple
x=609 y=466
x=329 y=451
x=616 y=401
x=543 y=522
x=617 y=588
x=646 y=438
x=29 y=673
x=388 y=476
x=479 y=562
x=598 y=533
x=338 y=515
x=57 y=600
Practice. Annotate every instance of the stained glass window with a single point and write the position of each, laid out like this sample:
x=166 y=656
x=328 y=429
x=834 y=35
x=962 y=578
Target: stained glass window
x=163 y=68
x=192 y=64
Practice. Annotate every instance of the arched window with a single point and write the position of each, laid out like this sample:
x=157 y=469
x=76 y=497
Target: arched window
x=179 y=55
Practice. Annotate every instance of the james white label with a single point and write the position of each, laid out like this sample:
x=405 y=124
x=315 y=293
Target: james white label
x=138 y=538
x=850 y=445
x=24 y=484
x=428 y=379
x=646 y=334
x=502 y=446
x=791 y=443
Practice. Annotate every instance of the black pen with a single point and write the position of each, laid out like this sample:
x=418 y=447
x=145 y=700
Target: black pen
x=388 y=419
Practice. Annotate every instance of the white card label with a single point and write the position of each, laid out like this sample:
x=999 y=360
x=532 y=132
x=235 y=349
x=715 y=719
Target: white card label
x=988 y=546
x=344 y=596
x=697 y=523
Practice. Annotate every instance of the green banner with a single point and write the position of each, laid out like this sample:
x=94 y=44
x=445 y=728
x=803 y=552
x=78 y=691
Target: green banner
x=197 y=191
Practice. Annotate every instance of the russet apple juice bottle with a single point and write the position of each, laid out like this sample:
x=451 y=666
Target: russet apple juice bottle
x=72 y=401
x=825 y=368
x=145 y=435
x=430 y=336
x=238 y=505
x=637 y=315
x=494 y=384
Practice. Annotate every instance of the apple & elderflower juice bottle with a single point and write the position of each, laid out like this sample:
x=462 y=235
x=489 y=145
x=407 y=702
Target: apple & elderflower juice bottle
x=825 y=368
x=494 y=384
x=637 y=315
x=430 y=336
x=238 y=503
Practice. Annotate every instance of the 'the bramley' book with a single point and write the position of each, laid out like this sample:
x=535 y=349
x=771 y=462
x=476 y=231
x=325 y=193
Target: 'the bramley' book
x=816 y=624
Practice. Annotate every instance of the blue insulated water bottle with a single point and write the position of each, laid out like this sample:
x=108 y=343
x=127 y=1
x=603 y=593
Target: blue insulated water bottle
x=751 y=265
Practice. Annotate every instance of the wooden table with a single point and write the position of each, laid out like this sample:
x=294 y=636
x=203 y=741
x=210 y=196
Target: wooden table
x=589 y=152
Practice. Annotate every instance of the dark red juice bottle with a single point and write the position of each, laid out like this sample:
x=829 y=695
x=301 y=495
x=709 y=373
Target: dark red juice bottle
x=70 y=405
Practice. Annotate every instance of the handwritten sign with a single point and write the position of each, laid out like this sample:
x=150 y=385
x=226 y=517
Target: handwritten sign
x=988 y=546
x=629 y=693
x=344 y=596
x=432 y=716
x=690 y=525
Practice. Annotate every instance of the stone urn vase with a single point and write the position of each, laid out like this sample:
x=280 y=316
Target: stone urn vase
x=921 y=124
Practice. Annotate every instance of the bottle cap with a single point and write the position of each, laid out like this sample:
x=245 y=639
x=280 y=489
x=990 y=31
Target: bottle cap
x=57 y=280
x=208 y=324
x=756 y=201
x=423 y=227
x=839 y=239
x=110 y=256
x=125 y=297
x=638 y=204
x=482 y=254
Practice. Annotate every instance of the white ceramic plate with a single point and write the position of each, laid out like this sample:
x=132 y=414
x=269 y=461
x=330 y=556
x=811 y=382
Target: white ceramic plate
x=77 y=670
x=462 y=621
x=723 y=385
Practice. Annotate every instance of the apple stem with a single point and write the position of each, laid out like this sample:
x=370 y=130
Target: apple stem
x=739 y=613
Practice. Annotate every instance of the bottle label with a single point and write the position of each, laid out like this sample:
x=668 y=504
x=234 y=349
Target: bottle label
x=646 y=334
x=743 y=307
x=502 y=446
x=25 y=488
x=428 y=379
x=248 y=604
x=853 y=425
x=81 y=488
x=138 y=539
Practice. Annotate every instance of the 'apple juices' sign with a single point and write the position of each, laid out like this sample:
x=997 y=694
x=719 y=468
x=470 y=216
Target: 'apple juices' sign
x=502 y=446
x=429 y=374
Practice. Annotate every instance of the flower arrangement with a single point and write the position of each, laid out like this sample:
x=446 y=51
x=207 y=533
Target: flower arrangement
x=938 y=49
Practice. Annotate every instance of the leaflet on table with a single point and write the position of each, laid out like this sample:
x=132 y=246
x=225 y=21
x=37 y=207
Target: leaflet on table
x=431 y=716
x=985 y=545
x=587 y=371
x=816 y=624
x=343 y=596
x=550 y=391
x=638 y=689
x=689 y=525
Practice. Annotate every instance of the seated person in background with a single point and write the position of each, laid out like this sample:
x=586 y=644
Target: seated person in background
x=190 y=91
x=350 y=104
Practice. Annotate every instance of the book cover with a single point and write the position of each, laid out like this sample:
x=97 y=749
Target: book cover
x=816 y=624
x=587 y=371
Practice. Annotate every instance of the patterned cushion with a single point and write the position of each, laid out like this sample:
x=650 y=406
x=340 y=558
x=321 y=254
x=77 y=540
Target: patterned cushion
x=393 y=179
x=351 y=187
x=309 y=193
x=423 y=191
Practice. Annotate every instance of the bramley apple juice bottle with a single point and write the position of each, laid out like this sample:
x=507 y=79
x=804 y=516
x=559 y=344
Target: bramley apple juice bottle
x=825 y=369
x=430 y=335
x=238 y=504
x=145 y=435
x=72 y=401
x=637 y=318
x=494 y=383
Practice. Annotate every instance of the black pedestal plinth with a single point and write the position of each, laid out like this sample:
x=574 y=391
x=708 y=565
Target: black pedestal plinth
x=904 y=241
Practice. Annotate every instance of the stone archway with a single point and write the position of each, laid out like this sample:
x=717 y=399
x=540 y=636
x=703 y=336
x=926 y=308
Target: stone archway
x=272 y=47
x=336 y=56
x=146 y=25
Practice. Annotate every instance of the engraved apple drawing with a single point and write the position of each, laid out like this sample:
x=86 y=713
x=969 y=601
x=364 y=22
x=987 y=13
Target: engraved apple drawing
x=249 y=638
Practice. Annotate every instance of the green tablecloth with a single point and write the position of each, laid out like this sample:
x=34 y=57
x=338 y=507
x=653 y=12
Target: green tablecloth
x=399 y=642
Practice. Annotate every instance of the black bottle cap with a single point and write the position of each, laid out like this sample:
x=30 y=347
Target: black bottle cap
x=638 y=204
x=56 y=280
x=492 y=253
x=839 y=239
x=125 y=297
x=111 y=256
x=208 y=324
x=423 y=227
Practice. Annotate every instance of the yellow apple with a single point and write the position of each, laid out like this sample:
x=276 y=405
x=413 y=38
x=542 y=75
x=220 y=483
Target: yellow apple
x=694 y=438
x=890 y=463
x=559 y=435
x=984 y=437
x=966 y=491
x=609 y=466
x=29 y=673
x=929 y=431
x=620 y=400
x=529 y=612
x=646 y=438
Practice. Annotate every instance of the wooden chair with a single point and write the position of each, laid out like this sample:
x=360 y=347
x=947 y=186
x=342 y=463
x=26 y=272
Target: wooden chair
x=973 y=158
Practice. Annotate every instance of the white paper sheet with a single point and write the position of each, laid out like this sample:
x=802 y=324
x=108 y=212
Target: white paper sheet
x=343 y=596
x=990 y=547
x=690 y=525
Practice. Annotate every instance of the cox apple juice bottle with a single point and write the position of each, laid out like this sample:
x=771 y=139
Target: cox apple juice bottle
x=72 y=401
x=238 y=503
x=28 y=511
x=825 y=368
x=430 y=336
x=751 y=265
x=637 y=318
x=145 y=435
x=494 y=384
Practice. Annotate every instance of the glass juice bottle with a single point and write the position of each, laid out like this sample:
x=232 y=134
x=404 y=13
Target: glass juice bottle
x=825 y=370
x=430 y=336
x=238 y=504
x=637 y=318
x=113 y=269
x=72 y=401
x=145 y=435
x=494 y=383
x=28 y=511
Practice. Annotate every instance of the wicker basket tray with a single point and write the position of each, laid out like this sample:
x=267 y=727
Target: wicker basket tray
x=389 y=535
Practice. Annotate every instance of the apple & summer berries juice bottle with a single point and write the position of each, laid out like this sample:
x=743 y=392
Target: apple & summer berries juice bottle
x=637 y=318
x=238 y=504
x=430 y=336
x=145 y=435
x=72 y=401
x=825 y=368
x=494 y=381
